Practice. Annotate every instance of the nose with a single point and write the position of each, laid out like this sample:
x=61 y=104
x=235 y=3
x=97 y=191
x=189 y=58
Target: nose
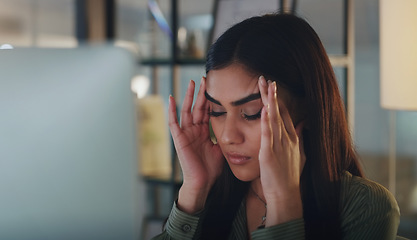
x=231 y=133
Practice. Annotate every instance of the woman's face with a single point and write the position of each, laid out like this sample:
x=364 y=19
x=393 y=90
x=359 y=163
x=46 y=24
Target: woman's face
x=235 y=109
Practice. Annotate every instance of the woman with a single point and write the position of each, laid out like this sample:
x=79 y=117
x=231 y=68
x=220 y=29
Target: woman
x=283 y=164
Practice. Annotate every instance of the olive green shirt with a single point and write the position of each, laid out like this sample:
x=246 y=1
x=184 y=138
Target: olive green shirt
x=368 y=211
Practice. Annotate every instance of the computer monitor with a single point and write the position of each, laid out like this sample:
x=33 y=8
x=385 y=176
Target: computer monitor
x=68 y=165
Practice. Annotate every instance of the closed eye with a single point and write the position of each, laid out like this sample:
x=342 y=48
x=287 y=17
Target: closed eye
x=216 y=114
x=252 y=117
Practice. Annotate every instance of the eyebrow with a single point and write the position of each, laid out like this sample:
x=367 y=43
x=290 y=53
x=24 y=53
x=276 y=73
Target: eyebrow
x=242 y=101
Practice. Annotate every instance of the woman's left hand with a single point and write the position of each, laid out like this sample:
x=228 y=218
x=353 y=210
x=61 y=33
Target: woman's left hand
x=281 y=158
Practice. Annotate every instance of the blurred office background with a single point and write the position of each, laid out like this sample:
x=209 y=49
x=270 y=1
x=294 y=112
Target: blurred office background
x=134 y=26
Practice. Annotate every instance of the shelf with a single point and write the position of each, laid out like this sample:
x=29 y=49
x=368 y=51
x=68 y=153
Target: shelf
x=163 y=180
x=166 y=61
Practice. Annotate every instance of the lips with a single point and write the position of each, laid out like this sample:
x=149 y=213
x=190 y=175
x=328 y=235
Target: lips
x=237 y=159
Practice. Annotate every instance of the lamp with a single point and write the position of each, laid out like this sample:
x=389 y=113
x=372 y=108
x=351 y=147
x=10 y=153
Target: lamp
x=140 y=85
x=398 y=65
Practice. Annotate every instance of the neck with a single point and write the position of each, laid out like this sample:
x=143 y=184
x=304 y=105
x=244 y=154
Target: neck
x=256 y=206
x=256 y=185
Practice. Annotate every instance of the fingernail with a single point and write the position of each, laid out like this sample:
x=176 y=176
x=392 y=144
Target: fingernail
x=271 y=86
x=274 y=89
x=269 y=82
x=262 y=80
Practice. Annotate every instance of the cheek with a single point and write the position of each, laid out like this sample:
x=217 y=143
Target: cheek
x=216 y=126
x=255 y=134
x=252 y=131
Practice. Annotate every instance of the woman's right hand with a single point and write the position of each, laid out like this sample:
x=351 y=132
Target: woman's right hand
x=201 y=161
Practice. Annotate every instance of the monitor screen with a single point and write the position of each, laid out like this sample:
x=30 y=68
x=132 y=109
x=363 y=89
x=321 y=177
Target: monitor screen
x=68 y=165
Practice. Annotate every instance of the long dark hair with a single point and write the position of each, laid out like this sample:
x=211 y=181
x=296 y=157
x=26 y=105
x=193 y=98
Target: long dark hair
x=284 y=48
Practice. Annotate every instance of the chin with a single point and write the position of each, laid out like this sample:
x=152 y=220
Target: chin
x=245 y=174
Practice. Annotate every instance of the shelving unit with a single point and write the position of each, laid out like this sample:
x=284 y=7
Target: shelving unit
x=175 y=63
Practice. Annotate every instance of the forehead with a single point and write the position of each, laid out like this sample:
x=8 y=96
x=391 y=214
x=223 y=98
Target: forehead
x=231 y=83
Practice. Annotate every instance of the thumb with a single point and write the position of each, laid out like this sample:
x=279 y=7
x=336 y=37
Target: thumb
x=299 y=130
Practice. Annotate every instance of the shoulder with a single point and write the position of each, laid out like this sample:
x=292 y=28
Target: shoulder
x=367 y=205
x=364 y=191
x=357 y=188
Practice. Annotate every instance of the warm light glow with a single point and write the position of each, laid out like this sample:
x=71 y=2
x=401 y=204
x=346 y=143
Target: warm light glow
x=140 y=85
x=398 y=54
x=182 y=34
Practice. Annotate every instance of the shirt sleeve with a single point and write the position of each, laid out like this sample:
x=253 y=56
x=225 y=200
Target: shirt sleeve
x=181 y=226
x=369 y=211
x=293 y=230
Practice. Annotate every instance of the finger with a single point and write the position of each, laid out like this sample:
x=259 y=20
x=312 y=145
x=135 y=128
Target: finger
x=263 y=88
x=299 y=130
x=206 y=118
x=200 y=109
x=172 y=118
x=266 y=133
x=186 y=117
x=286 y=119
x=274 y=115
